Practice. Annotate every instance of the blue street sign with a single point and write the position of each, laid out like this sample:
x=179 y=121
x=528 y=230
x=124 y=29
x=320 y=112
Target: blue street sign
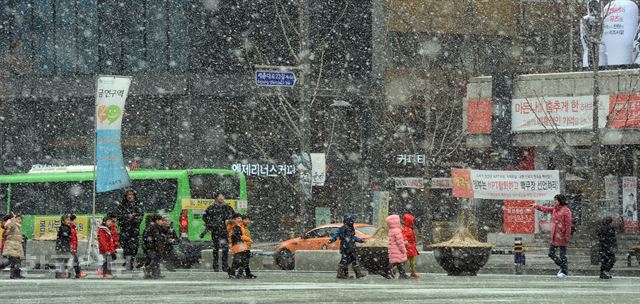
x=275 y=79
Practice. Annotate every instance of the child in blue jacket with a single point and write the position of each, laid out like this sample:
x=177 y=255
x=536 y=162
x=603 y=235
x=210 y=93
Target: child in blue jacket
x=348 y=255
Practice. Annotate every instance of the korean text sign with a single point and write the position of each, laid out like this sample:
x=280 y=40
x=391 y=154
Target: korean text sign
x=506 y=185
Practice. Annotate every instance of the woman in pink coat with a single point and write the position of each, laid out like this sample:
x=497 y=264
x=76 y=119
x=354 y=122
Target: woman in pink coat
x=396 y=247
x=560 y=231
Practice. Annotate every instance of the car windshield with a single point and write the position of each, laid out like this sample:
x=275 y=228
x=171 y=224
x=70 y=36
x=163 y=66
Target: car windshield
x=368 y=230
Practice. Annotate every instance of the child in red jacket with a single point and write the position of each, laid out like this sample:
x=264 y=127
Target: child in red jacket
x=410 y=243
x=74 y=248
x=107 y=241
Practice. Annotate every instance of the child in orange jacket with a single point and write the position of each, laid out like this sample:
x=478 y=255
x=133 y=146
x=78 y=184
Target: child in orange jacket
x=239 y=242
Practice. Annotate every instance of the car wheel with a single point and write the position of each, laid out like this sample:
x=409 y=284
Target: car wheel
x=324 y=247
x=286 y=260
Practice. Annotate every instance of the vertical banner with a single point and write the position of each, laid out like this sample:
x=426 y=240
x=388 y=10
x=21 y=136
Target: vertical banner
x=518 y=217
x=111 y=94
x=318 y=166
x=630 y=203
x=380 y=207
x=612 y=204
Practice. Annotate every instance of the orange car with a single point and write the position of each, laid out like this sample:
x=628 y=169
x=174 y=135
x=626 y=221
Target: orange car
x=315 y=239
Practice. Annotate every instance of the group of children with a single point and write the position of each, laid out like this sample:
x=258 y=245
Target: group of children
x=401 y=247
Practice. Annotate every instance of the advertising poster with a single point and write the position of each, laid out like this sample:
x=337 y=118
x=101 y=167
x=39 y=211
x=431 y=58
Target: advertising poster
x=630 y=203
x=518 y=217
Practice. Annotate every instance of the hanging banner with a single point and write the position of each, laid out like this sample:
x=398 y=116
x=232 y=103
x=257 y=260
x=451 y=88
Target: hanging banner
x=618 y=32
x=409 y=182
x=318 y=169
x=624 y=111
x=563 y=113
x=630 y=203
x=518 y=217
x=506 y=185
x=111 y=95
x=479 y=112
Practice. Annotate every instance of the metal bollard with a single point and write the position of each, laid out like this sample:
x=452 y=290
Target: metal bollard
x=519 y=257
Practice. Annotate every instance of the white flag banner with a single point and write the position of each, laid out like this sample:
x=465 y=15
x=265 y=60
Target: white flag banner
x=557 y=112
x=318 y=169
x=630 y=203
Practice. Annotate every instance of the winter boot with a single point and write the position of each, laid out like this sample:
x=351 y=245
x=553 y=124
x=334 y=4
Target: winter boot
x=358 y=272
x=343 y=273
x=15 y=274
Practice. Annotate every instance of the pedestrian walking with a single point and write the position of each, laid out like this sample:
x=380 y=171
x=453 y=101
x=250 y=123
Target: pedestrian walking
x=396 y=247
x=239 y=247
x=74 y=248
x=608 y=243
x=153 y=244
x=63 y=247
x=348 y=251
x=215 y=220
x=13 y=248
x=410 y=243
x=4 y=261
x=560 y=231
x=246 y=221
x=129 y=215
x=107 y=240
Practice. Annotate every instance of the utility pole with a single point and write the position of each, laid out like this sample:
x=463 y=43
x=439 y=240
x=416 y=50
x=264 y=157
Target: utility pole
x=595 y=33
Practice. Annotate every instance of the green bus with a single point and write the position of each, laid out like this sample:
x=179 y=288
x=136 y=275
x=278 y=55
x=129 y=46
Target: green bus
x=43 y=194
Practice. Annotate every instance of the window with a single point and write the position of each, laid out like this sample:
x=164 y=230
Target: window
x=313 y=234
x=3 y=198
x=328 y=232
x=77 y=197
x=367 y=230
x=206 y=186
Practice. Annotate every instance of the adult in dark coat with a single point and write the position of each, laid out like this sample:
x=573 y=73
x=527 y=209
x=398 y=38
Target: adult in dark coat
x=215 y=220
x=153 y=245
x=608 y=244
x=63 y=247
x=129 y=215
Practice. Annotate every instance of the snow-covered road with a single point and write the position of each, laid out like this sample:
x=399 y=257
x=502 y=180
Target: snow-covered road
x=322 y=287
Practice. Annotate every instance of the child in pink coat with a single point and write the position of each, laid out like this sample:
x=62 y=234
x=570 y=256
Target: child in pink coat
x=396 y=248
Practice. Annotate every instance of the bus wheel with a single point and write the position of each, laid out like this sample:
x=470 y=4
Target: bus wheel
x=286 y=260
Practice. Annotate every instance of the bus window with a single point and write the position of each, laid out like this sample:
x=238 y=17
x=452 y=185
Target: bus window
x=51 y=198
x=205 y=186
x=3 y=198
x=77 y=197
x=156 y=195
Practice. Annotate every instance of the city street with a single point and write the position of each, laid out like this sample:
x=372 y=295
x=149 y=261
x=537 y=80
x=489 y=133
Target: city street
x=321 y=287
